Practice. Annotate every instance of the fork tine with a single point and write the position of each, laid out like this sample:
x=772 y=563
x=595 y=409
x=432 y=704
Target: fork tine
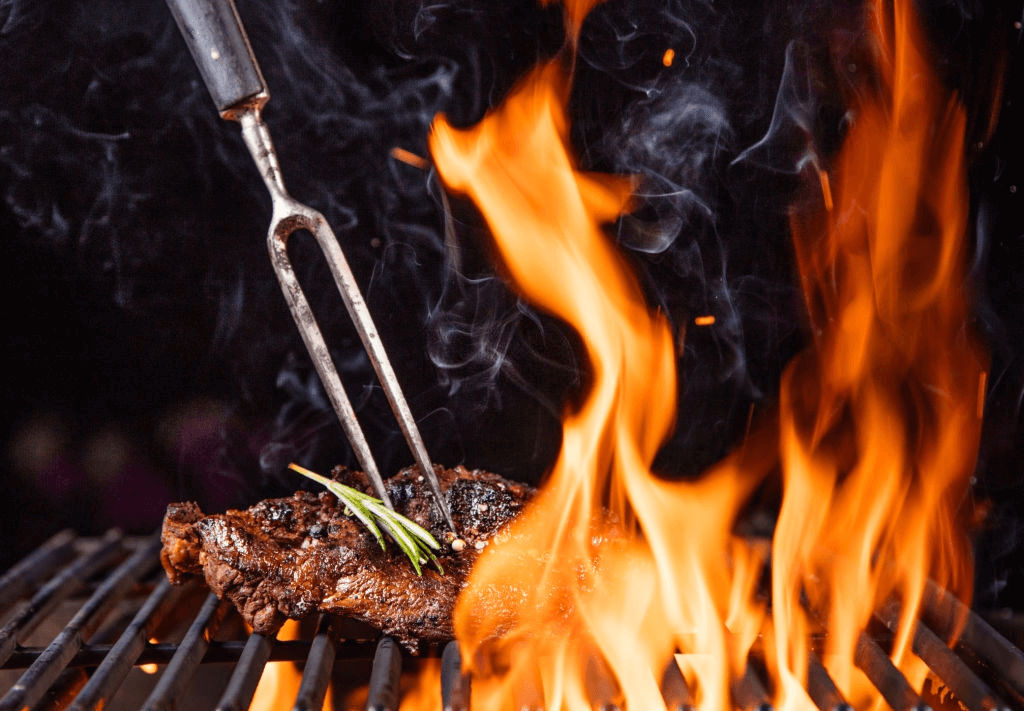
x=283 y=226
x=360 y=315
x=357 y=310
x=277 y=242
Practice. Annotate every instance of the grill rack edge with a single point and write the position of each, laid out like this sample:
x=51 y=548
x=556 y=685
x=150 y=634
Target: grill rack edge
x=116 y=570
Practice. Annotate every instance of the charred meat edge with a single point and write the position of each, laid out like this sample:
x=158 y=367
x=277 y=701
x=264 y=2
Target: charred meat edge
x=295 y=556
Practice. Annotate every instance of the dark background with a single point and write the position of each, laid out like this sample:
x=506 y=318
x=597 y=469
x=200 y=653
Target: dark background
x=151 y=357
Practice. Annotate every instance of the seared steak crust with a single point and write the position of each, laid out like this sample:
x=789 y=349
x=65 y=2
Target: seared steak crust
x=291 y=557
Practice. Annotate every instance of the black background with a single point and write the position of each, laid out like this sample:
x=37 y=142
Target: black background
x=151 y=357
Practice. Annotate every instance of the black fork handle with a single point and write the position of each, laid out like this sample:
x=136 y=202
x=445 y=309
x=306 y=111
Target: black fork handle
x=218 y=43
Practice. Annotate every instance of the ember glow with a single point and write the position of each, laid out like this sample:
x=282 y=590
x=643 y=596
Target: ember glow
x=614 y=572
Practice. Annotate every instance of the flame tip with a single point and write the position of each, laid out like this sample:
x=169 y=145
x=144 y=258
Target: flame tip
x=870 y=443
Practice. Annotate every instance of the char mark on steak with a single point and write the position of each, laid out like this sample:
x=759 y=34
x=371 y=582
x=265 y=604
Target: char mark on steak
x=292 y=557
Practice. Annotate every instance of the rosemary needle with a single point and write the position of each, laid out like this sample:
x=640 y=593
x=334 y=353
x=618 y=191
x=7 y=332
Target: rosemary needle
x=414 y=540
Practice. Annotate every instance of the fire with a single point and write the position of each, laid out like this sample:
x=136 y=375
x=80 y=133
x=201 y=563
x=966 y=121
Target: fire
x=614 y=573
x=280 y=682
x=879 y=419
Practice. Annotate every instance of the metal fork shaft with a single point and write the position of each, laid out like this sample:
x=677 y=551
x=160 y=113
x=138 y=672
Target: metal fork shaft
x=290 y=216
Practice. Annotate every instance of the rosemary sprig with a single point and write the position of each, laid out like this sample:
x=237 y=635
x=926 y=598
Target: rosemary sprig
x=414 y=540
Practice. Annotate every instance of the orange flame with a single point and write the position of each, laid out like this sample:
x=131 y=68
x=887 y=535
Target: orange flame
x=595 y=568
x=279 y=684
x=880 y=429
x=612 y=573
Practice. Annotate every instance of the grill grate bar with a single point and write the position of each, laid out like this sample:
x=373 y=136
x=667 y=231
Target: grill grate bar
x=384 y=677
x=675 y=690
x=246 y=675
x=60 y=693
x=317 y=674
x=122 y=656
x=974 y=693
x=600 y=686
x=68 y=571
x=186 y=658
x=822 y=689
x=455 y=686
x=55 y=591
x=91 y=655
x=72 y=680
x=871 y=659
x=25 y=575
x=944 y=613
x=34 y=682
x=749 y=693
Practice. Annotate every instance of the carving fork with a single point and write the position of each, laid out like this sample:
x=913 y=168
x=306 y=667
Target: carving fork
x=220 y=47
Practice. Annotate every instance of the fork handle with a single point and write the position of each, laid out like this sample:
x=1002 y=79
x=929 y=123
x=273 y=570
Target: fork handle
x=215 y=37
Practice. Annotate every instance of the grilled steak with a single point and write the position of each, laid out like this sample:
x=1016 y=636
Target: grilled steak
x=291 y=557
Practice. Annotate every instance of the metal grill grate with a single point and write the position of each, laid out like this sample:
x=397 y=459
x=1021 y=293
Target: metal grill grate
x=104 y=600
